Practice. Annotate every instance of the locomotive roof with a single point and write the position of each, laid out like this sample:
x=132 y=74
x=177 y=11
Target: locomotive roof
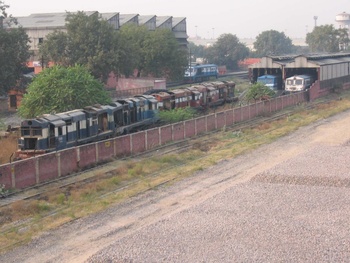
x=96 y=109
x=54 y=119
x=267 y=76
x=299 y=77
x=75 y=115
x=203 y=65
x=37 y=122
x=147 y=97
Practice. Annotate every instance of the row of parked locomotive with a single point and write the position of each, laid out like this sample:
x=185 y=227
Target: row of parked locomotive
x=52 y=132
x=291 y=84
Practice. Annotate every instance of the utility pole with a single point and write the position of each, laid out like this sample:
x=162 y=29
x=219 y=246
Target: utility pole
x=315 y=18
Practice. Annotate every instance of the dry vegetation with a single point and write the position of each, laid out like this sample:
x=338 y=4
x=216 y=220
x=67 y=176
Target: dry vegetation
x=22 y=220
x=8 y=145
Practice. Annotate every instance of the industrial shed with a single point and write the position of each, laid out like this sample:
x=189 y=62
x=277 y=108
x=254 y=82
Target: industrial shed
x=331 y=70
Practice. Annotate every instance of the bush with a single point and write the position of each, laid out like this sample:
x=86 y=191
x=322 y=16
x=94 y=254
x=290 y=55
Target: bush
x=176 y=115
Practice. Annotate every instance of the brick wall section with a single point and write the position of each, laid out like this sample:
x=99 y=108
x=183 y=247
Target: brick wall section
x=237 y=114
x=43 y=168
x=5 y=176
x=179 y=131
x=152 y=138
x=211 y=122
x=166 y=134
x=68 y=161
x=190 y=128
x=229 y=117
x=48 y=167
x=105 y=150
x=245 y=113
x=138 y=142
x=252 y=111
x=25 y=173
x=122 y=146
x=201 y=125
x=87 y=156
x=220 y=120
x=279 y=104
x=273 y=105
x=259 y=108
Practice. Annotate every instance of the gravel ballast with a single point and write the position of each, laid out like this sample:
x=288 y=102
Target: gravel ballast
x=284 y=202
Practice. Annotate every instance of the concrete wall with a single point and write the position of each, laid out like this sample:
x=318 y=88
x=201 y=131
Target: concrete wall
x=43 y=168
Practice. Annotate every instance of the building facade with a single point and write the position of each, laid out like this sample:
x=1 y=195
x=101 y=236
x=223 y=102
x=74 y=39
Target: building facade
x=38 y=26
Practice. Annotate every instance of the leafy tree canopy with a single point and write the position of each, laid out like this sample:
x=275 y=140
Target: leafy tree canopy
x=131 y=48
x=163 y=56
x=89 y=41
x=59 y=89
x=258 y=91
x=227 y=50
x=327 y=39
x=14 y=52
x=196 y=51
x=273 y=42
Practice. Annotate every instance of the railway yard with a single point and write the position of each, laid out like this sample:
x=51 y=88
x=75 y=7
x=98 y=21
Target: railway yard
x=284 y=201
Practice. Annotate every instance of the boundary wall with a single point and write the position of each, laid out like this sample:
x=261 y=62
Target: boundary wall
x=43 y=168
x=316 y=91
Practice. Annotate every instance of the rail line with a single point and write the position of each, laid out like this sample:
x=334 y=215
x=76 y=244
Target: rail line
x=87 y=175
x=36 y=192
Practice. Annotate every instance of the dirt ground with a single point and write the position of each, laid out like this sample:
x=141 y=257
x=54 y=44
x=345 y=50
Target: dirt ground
x=283 y=202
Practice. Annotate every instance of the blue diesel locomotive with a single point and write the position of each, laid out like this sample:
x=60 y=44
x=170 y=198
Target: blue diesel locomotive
x=198 y=73
x=52 y=132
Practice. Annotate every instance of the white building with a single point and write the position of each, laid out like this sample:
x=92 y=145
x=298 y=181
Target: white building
x=343 y=21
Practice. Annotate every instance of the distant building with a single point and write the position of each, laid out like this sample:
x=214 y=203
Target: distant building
x=38 y=26
x=343 y=21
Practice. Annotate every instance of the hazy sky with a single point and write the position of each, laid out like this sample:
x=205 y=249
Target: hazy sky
x=206 y=18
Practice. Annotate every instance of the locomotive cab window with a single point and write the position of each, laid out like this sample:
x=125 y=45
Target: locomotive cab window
x=25 y=131
x=37 y=132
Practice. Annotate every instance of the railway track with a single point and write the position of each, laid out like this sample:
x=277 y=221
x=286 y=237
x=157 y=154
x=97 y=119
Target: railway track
x=89 y=175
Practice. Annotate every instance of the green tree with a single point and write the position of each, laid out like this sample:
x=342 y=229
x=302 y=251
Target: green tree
x=55 y=49
x=258 y=91
x=327 y=39
x=227 y=50
x=272 y=42
x=89 y=41
x=59 y=89
x=195 y=51
x=14 y=51
x=163 y=56
x=131 y=48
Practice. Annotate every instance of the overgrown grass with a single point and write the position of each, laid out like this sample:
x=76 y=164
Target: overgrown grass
x=139 y=175
x=8 y=146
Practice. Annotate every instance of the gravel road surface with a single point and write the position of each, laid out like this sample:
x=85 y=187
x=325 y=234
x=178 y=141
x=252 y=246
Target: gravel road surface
x=288 y=201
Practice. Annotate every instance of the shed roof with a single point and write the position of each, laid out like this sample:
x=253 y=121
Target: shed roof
x=177 y=20
x=108 y=16
x=162 y=19
x=125 y=18
x=309 y=60
x=44 y=20
x=144 y=19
